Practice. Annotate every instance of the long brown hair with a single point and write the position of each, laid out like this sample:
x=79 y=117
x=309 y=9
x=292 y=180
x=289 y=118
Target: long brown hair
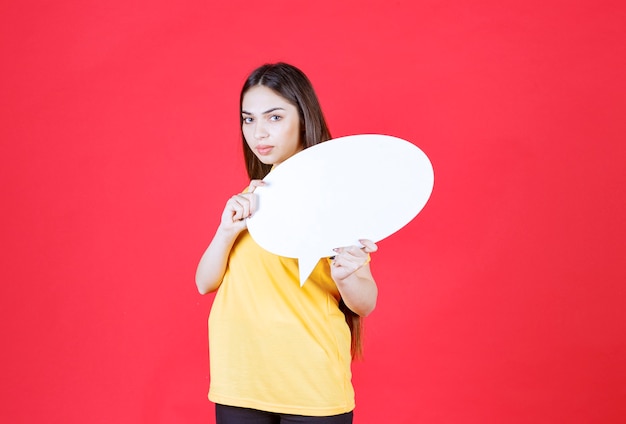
x=294 y=86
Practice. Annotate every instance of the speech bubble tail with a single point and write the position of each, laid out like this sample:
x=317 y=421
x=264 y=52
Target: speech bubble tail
x=305 y=267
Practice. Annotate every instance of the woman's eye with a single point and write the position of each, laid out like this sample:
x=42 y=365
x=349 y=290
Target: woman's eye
x=275 y=118
x=247 y=120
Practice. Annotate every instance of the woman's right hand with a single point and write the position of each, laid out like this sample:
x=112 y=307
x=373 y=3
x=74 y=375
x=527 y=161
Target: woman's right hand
x=238 y=208
x=213 y=263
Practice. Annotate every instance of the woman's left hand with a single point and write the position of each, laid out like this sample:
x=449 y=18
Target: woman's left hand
x=351 y=258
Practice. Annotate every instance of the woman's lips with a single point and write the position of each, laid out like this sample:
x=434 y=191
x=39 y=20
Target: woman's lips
x=263 y=149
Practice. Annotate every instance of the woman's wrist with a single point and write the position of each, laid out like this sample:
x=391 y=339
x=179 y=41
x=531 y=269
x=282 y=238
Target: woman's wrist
x=226 y=235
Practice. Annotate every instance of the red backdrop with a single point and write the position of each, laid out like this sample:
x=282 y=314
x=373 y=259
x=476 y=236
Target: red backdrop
x=502 y=302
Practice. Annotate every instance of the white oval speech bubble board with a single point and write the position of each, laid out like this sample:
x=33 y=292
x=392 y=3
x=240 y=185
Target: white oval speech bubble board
x=337 y=192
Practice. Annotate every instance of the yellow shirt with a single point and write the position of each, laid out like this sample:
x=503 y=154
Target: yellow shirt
x=276 y=346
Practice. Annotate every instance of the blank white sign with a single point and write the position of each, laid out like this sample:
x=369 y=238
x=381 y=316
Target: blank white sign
x=337 y=192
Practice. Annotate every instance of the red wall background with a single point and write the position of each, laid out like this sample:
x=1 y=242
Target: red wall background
x=502 y=302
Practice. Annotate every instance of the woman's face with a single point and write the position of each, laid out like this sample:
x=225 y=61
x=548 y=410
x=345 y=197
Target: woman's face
x=271 y=125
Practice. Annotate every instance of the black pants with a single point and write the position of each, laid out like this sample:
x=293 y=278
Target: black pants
x=233 y=415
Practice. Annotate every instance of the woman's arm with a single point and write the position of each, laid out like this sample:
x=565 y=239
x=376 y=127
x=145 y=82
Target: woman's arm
x=352 y=275
x=212 y=266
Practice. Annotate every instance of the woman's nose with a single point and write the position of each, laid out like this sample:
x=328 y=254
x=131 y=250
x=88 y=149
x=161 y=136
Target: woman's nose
x=260 y=131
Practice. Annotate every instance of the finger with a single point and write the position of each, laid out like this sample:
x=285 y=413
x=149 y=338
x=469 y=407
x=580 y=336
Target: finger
x=252 y=198
x=355 y=251
x=241 y=206
x=350 y=251
x=347 y=266
x=254 y=184
x=236 y=210
x=368 y=246
x=247 y=201
x=341 y=261
x=352 y=255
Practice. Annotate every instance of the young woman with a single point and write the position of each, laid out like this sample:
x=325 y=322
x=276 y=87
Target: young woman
x=281 y=353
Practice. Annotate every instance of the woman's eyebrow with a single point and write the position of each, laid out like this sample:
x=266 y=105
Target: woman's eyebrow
x=243 y=112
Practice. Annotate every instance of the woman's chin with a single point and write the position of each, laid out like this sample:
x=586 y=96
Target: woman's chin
x=265 y=160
